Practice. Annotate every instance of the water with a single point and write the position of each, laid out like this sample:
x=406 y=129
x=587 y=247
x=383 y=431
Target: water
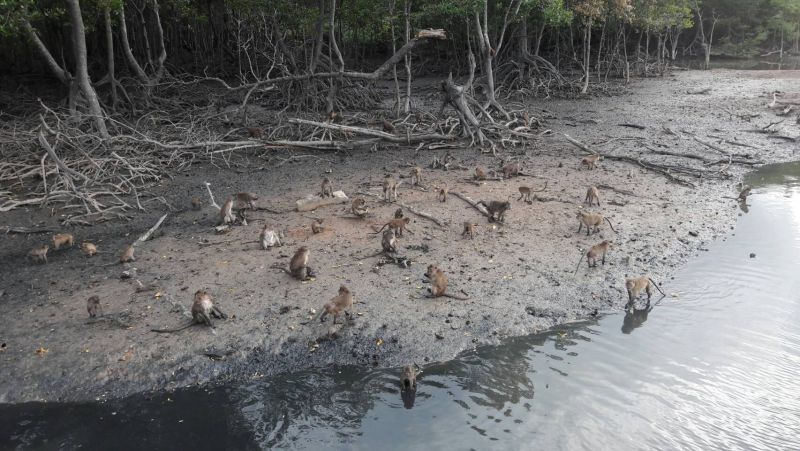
x=713 y=367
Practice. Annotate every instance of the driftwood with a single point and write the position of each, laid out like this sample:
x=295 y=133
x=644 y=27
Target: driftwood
x=706 y=161
x=313 y=202
x=419 y=213
x=474 y=204
x=147 y=234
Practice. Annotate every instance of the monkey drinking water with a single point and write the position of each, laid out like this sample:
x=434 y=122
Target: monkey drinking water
x=636 y=285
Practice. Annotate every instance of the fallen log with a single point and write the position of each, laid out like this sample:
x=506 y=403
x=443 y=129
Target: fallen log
x=474 y=204
x=311 y=203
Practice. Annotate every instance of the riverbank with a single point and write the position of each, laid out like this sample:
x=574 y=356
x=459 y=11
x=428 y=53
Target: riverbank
x=519 y=275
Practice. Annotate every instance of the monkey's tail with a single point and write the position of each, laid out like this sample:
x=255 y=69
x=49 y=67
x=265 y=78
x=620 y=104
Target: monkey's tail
x=609 y=224
x=381 y=229
x=657 y=287
x=169 y=331
x=579 y=263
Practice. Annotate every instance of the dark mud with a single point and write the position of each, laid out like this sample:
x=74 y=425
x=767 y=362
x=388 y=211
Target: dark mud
x=519 y=275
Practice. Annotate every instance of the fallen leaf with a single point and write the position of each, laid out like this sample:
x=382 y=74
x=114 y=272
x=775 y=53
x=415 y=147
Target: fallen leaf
x=42 y=351
x=158 y=294
x=125 y=357
x=379 y=341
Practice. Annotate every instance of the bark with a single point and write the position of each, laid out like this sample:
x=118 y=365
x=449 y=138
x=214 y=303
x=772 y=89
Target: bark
x=82 y=69
x=60 y=73
x=126 y=48
x=407 y=56
x=587 y=48
x=397 y=99
x=318 y=29
x=110 y=56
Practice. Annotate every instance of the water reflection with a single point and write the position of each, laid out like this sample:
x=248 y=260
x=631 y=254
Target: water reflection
x=635 y=318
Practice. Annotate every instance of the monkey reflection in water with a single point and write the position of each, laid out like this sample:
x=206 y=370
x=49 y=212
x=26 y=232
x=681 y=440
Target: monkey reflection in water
x=635 y=318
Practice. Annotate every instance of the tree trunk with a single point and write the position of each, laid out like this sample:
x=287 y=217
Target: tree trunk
x=600 y=51
x=539 y=40
x=312 y=66
x=126 y=48
x=407 y=56
x=82 y=69
x=110 y=56
x=587 y=48
x=394 y=67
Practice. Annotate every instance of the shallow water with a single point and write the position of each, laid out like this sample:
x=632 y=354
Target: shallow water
x=714 y=365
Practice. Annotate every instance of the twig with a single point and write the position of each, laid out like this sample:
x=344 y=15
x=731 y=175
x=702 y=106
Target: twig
x=211 y=195
x=147 y=234
x=407 y=207
x=474 y=204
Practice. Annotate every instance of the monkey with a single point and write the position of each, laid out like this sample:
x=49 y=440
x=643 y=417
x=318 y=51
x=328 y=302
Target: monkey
x=389 y=188
x=255 y=132
x=469 y=230
x=359 y=207
x=398 y=214
x=335 y=117
x=592 y=195
x=203 y=309
x=442 y=196
x=590 y=161
x=226 y=212
x=525 y=192
x=298 y=265
x=389 y=241
x=497 y=208
x=246 y=200
x=510 y=170
x=339 y=304
x=388 y=127
x=398 y=225
x=316 y=227
x=635 y=287
x=196 y=204
x=744 y=193
x=408 y=378
x=416 y=176
x=327 y=188
x=438 y=286
x=268 y=238
x=62 y=239
x=39 y=254
x=598 y=250
x=89 y=249
x=127 y=255
x=526 y=117
x=592 y=222
x=480 y=174
x=93 y=306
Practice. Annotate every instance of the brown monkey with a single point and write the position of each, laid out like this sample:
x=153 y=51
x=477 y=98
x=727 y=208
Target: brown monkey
x=327 y=188
x=93 y=306
x=196 y=203
x=408 y=378
x=416 y=176
x=438 y=286
x=388 y=127
x=442 y=196
x=389 y=188
x=226 y=212
x=203 y=309
x=39 y=254
x=255 y=132
x=62 y=239
x=590 y=161
x=480 y=174
x=246 y=200
x=598 y=250
x=389 y=241
x=316 y=227
x=340 y=303
x=592 y=222
x=359 y=207
x=510 y=170
x=398 y=214
x=89 y=249
x=399 y=225
x=469 y=230
x=635 y=287
x=335 y=117
x=127 y=255
x=268 y=238
x=592 y=196
x=496 y=208
x=298 y=265
x=526 y=191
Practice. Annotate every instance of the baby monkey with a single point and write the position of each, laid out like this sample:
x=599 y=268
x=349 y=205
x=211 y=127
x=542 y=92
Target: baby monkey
x=341 y=303
x=246 y=200
x=525 y=192
x=480 y=174
x=398 y=214
x=469 y=230
x=359 y=207
x=327 y=188
x=316 y=227
x=496 y=209
x=590 y=161
x=39 y=254
x=203 y=309
x=196 y=203
x=635 y=287
x=62 y=239
x=127 y=255
x=388 y=127
x=438 y=282
x=416 y=176
x=592 y=195
x=592 y=221
x=89 y=249
x=442 y=196
x=598 y=250
x=399 y=225
x=93 y=306
x=389 y=242
x=408 y=378
x=255 y=132
x=389 y=188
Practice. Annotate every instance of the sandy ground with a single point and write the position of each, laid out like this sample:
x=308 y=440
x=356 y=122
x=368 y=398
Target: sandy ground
x=519 y=276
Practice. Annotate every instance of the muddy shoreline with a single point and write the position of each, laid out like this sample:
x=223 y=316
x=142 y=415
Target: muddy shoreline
x=519 y=276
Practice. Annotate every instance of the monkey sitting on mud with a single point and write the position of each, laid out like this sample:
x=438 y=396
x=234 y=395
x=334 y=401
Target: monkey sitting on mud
x=592 y=221
x=93 y=306
x=359 y=207
x=480 y=174
x=89 y=248
x=438 y=283
x=341 y=303
x=197 y=204
x=327 y=188
x=636 y=285
x=442 y=196
x=298 y=265
x=469 y=230
x=511 y=170
x=598 y=250
x=203 y=309
x=496 y=209
x=62 y=239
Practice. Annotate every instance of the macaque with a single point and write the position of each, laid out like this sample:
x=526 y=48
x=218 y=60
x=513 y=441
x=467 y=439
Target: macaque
x=592 y=222
x=416 y=176
x=398 y=214
x=335 y=117
x=327 y=188
x=246 y=200
x=93 y=306
x=480 y=174
x=469 y=230
x=389 y=241
x=598 y=250
x=744 y=193
x=438 y=286
x=510 y=170
x=592 y=196
x=635 y=287
x=226 y=212
x=340 y=303
x=389 y=188
x=496 y=208
x=39 y=254
x=89 y=249
x=526 y=118
x=359 y=207
x=590 y=161
x=408 y=378
x=255 y=132
x=62 y=239
x=127 y=255
x=525 y=192
x=442 y=196
x=399 y=225
x=316 y=227
x=298 y=265
x=203 y=309
x=196 y=203
x=388 y=127
x=268 y=238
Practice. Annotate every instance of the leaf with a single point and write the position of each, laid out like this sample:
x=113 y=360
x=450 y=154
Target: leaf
x=379 y=341
x=42 y=351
